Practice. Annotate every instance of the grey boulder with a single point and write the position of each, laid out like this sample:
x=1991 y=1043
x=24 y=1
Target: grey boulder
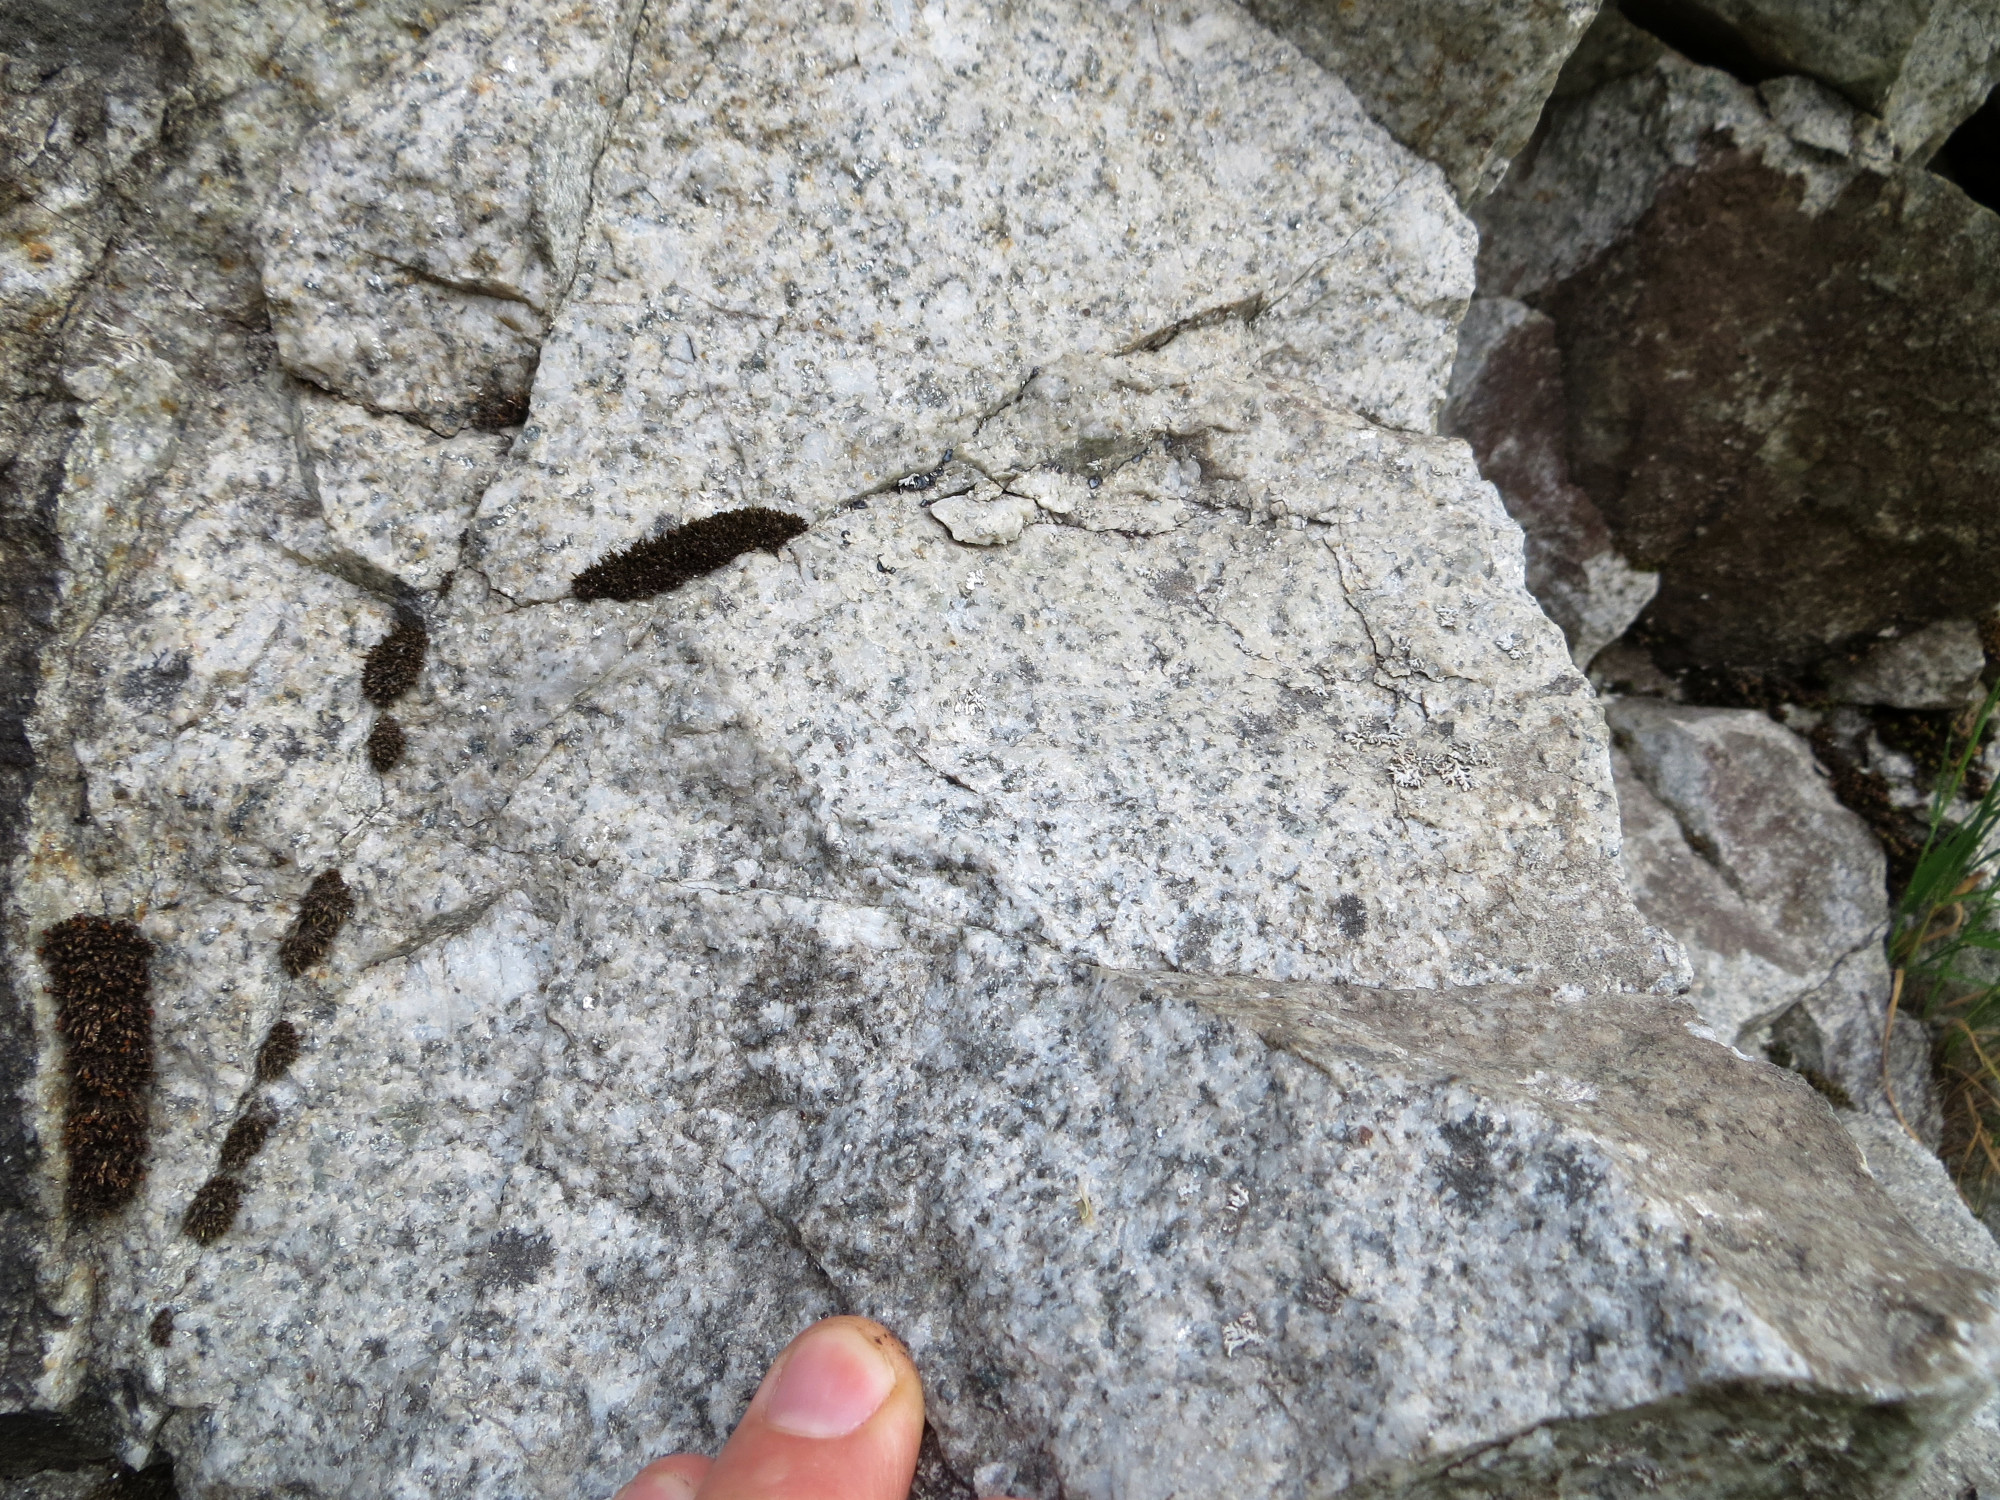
x=1166 y=952
x=1459 y=81
x=1936 y=667
x=1920 y=66
x=1735 y=844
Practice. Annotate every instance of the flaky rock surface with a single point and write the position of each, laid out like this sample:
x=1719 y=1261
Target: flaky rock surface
x=1164 y=952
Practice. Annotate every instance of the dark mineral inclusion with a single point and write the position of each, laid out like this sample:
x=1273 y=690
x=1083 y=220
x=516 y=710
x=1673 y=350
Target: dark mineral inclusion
x=392 y=666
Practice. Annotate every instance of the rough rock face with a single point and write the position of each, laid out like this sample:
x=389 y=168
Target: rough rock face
x=417 y=243
x=1508 y=402
x=1734 y=844
x=1130 y=895
x=720 y=328
x=1821 y=473
x=1937 y=667
x=1459 y=81
x=1920 y=66
x=1924 y=1193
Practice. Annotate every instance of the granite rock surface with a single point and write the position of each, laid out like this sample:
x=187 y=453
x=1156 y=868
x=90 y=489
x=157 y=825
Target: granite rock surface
x=1459 y=81
x=1923 y=1191
x=417 y=243
x=1130 y=895
x=1919 y=66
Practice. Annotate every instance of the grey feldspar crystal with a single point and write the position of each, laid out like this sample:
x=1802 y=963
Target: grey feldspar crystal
x=1169 y=959
x=1459 y=81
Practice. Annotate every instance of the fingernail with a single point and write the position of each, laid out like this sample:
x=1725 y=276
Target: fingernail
x=831 y=1382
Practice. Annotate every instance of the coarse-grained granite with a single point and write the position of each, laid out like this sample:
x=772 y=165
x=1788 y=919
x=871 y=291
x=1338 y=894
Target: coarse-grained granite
x=1168 y=959
x=1777 y=886
x=396 y=497
x=1459 y=81
x=421 y=237
x=910 y=212
x=1922 y=1190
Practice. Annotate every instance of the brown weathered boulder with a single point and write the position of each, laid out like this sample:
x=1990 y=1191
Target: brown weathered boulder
x=1507 y=401
x=1777 y=350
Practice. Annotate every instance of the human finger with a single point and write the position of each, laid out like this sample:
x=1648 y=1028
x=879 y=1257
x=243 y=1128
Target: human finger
x=676 y=1478
x=839 y=1417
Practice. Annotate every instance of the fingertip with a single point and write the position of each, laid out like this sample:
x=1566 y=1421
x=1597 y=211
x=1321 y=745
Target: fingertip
x=832 y=1379
x=675 y=1478
x=839 y=1417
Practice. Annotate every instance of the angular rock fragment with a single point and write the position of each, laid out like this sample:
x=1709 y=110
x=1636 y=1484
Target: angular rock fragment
x=1920 y=66
x=1936 y=668
x=1459 y=83
x=985 y=517
x=1922 y=1190
x=1508 y=402
x=1735 y=844
x=1808 y=461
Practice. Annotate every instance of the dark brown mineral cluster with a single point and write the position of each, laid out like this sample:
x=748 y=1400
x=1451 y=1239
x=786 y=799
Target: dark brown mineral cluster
x=385 y=745
x=213 y=1211
x=392 y=666
x=279 y=1052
